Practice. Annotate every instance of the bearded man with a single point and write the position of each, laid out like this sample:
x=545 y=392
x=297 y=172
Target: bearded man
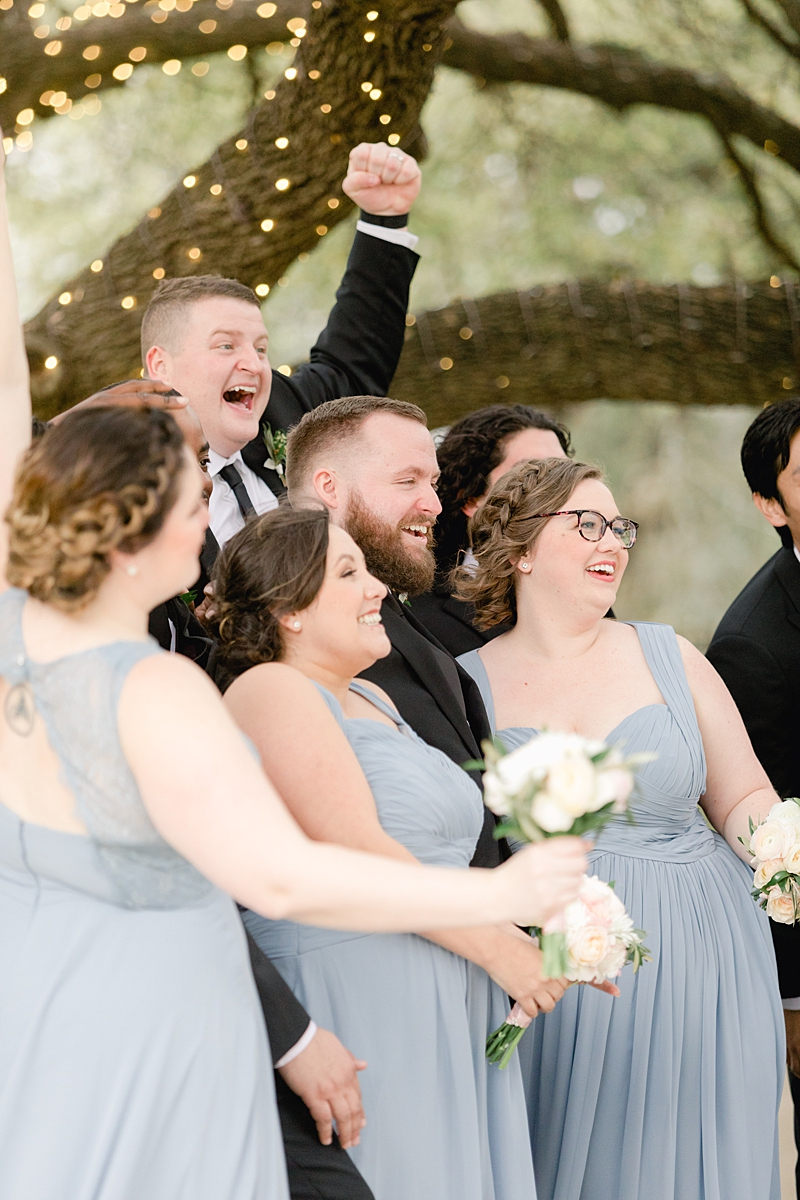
x=372 y=462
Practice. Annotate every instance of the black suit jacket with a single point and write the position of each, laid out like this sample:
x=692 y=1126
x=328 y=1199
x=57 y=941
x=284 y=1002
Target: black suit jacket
x=451 y=621
x=358 y=351
x=756 y=649
x=438 y=699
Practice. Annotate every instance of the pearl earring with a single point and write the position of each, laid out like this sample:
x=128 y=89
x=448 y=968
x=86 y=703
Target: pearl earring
x=132 y=570
x=295 y=624
x=524 y=566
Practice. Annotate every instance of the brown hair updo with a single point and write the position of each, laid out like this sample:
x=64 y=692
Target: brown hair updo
x=506 y=527
x=275 y=565
x=103 y=479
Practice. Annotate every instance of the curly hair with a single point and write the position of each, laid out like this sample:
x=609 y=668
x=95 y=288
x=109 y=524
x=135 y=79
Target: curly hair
x=507 y=526
x=275 y=565
x=104 y=479
x=469 y=452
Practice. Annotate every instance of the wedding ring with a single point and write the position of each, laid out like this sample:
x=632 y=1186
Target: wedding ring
x=394 y=154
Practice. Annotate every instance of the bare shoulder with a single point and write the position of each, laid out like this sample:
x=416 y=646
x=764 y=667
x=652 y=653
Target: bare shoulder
x=170 y=674
x=704 y=681
x=275 y=685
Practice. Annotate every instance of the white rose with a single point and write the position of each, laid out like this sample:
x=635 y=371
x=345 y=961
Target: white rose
x=788 y=811
x=588 y=946
x=614 y=961
x=791 y=859
x=765 y=870
x=495 y=795
x=571 y=784
x=780 y=907
x=549 y=815
x=613 y=783
x=772 y=840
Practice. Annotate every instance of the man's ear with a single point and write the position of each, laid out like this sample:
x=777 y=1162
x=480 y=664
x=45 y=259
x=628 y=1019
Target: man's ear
x=771 y=509
x=470 y=508
x=327 y=488
x=157 y=364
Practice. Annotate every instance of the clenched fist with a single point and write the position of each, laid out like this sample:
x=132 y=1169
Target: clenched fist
x=381 y=179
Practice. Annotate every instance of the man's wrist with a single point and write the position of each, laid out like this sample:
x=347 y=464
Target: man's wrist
x=298 y=1048
x=392 y=222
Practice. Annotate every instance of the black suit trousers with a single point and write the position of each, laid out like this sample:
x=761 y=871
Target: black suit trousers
x=316 y=1172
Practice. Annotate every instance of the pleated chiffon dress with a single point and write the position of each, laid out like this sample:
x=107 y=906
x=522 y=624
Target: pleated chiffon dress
x=671 y=1091
x=134 y=1061
x=443 y=1123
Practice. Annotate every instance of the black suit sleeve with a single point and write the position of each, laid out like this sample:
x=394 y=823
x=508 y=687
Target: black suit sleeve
x=285 y=1017
x=763 y=696
x=358 y=351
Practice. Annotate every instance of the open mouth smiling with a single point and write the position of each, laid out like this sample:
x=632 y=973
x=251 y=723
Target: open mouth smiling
x=417 y=531
x=605 y=571
x=242 y=396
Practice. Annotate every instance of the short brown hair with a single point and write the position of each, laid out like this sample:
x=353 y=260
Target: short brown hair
x=104 y=479
x=333 y=424
x=275 y=565
x=172 y=298
x=506 y=527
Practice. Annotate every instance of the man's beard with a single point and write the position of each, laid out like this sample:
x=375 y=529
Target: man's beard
x=387 y=557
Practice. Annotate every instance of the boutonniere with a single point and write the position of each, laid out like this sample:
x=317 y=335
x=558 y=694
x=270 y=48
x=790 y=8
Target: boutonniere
x=276 y=449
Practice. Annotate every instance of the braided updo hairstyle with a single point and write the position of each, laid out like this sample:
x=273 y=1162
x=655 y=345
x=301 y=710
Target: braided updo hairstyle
x=275 y=565
x=506 y=527
x=104 y=479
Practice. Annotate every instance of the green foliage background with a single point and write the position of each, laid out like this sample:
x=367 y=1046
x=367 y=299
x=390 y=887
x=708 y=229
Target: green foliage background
x=501 y=207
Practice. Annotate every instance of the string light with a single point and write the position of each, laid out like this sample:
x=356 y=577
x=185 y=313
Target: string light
x=91 y=53
x=369 y=36
x=502 y=381
x=25 y=117
x=774 y=280
x=372 y=16
x=159 y=273
x=427 y=46
x=393 y=139
x=128 y=302
x=50 y=363
x=3 y=84
x=36 y=11
x=267 y=10
x=285 y=369
x=195 y=254
x=171 y=66
x=216 y=189
x=262 y=289
x=65 y=298
x=326 y=108
x=53 y=48
x=93 y=81
x=333 y=202
x=283 y=282
x=296 y=25
x=384 y=118
x=267 y=224
x=82 y=13
x=200 y=68
x=282 y=185
x=42 y=32
x=465 y=333
x=123 y=71
x=291 y=72
x=153 y=213
x=269 y=95
x=375 y=94
x=96 y=266
x=63 y=23
x=366 y=87
x=241 y=144
x=313 y=74
x=322 y=230
x=282 y=142
x=275 y=49
x=445 y=363
x=137 y=54
x=207 y=26
x=189 y=181
x=237 y=53
x=8 y=145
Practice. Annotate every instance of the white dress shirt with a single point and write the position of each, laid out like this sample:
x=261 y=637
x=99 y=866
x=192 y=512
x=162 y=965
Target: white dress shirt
x=224 y=514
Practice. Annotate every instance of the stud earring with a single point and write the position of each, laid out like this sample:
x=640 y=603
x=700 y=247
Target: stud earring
x=524 y=566
x=132 y=570
x=295 y=624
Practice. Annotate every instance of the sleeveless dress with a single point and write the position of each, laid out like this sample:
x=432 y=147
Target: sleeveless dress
x=671 y=1091
x=134 y=1063
x=443 y=1124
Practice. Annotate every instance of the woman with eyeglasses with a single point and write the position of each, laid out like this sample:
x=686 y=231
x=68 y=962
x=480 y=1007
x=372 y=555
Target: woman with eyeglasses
x=671 y=1090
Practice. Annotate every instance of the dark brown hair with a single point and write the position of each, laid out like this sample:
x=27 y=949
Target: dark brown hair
x=104 y=479
x=506 y=527
x=172 y=298
x=332 y=424
x=275 y=565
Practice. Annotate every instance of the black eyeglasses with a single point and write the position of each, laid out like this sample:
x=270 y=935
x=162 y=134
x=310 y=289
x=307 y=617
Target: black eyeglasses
x=593 y=525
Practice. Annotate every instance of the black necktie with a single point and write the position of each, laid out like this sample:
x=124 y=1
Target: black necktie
x=235 y=482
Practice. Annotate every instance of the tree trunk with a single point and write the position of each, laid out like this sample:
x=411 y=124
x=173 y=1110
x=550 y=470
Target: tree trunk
x=587 y=341
x=94 y=337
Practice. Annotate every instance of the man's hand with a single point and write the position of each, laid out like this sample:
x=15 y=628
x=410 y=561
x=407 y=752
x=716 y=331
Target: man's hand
x=324 y=1076
x=381 y=179
x=792 y=1020
x=133 y=393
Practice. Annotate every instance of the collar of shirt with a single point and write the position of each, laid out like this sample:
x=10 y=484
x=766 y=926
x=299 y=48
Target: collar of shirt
x=796 y=552
x=216 y=462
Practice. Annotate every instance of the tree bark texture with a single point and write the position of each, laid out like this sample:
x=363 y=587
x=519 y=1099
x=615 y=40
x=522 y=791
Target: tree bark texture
x=95 y=336
x=738 y=344
x=30 y=73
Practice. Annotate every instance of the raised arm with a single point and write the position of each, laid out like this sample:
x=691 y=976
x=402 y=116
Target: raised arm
x=15 y=397
x=737 y=785
x=213 y=803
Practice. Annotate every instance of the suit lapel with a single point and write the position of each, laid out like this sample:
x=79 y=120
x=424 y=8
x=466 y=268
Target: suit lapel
x=255 y=455
x=787 y=570
x=419 y=649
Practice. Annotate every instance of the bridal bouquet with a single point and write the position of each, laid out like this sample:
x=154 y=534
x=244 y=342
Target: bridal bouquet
x=599 y=940
x=775 y=846
x=556 y=784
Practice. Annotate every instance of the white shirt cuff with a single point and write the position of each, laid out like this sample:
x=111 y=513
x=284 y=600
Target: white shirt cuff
x=298 y=1047
x=792 y=1003
x=400 y=237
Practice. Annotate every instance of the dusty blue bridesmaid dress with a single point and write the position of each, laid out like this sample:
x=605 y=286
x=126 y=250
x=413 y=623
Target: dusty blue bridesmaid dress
x=671 y=1091
x=134 y=1063
x=443 y=1124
